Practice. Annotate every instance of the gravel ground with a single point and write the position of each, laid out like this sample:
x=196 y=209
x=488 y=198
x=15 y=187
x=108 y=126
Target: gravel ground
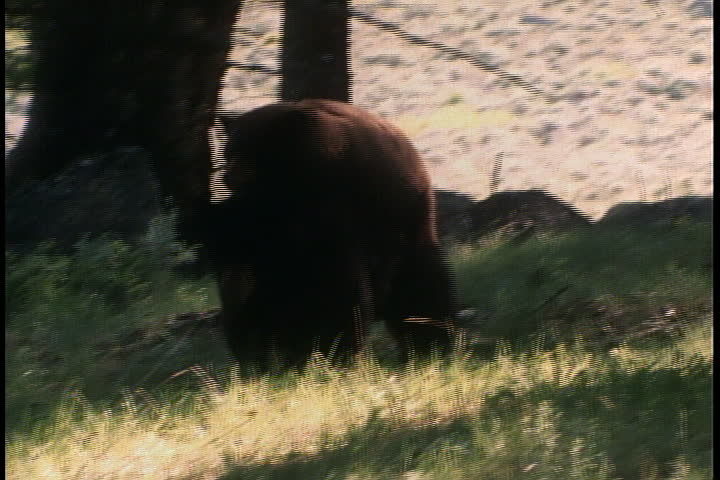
x=634 y=119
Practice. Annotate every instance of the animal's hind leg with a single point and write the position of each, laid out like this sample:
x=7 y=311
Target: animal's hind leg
x=330 y=307
x=421 y=302
x=364 y=309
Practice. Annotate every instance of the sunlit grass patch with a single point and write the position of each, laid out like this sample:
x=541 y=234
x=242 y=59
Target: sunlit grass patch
x=567 y=412
x=19 y=59
x=548 y=403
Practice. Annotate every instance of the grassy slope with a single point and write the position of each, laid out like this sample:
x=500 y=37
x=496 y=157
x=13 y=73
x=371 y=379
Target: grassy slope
x=568 y=413
x=638 y=410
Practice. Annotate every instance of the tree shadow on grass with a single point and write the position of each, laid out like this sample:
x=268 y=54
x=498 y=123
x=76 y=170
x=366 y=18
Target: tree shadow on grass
x=649 y=415
x=375 y=448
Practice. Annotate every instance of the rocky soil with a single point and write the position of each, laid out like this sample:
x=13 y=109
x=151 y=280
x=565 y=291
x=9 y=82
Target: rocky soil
x=632 y=120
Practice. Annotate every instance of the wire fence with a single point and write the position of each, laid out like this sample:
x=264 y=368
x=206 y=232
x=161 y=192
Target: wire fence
x=451 y=52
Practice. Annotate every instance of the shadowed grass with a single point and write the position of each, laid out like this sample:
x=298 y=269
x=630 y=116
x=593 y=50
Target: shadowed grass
x=546 y=404
x=591 y=277
x=566 y=413
x=62 y=309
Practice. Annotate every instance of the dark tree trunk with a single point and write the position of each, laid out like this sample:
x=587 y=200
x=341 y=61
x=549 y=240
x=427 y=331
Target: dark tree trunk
x=315 y=50
x=115 y=73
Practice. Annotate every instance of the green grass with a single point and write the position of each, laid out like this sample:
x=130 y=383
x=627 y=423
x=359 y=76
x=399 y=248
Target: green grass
x=63 y=310
x=567 y=413
x=590 y=278
x=19 y=60
x=548 y=403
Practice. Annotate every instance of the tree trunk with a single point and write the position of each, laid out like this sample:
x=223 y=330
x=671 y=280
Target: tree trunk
x=112 y=74
x=315 y=56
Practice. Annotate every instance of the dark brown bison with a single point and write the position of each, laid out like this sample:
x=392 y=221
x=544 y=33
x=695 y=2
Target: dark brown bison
x=331 y=224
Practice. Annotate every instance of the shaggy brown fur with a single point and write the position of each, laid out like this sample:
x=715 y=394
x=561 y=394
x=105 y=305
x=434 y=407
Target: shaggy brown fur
x=332 y=223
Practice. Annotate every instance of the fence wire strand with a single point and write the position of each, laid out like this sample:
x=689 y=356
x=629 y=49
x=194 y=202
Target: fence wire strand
x=452 y=52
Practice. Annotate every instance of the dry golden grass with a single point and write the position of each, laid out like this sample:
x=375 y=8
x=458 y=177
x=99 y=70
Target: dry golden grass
x=239 y=423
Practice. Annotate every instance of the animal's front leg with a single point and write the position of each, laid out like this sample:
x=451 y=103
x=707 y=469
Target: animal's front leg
x=236 y=285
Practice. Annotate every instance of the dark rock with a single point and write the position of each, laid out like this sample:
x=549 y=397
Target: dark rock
x=536 y=20
x=701 y=8
x=680 y=89
x=544 y=132
x=531 y=211
x=386 y=59
x=696 y=58
x=116 y=193
x=666 y=212
x=453 y=215
x=508 y=32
